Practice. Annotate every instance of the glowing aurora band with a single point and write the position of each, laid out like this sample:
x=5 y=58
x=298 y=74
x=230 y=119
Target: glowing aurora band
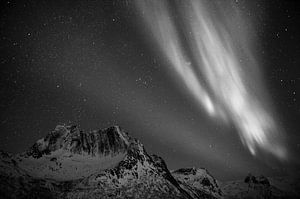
x=211 y=70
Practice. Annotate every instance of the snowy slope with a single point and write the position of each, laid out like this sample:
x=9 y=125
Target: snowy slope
x=137 y=176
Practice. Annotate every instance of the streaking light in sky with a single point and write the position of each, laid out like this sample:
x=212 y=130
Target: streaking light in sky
x=204 y=55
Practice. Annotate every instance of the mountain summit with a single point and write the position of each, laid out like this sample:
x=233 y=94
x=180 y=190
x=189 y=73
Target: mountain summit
x=101 y=143
x=107 y=163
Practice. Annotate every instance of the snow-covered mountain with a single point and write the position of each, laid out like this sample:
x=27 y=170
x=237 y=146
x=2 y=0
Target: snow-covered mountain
x=108 y=163
x=68 y=153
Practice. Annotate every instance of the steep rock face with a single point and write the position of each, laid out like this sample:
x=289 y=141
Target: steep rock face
x=198 y=182
x=69 y=163
x=96 y=143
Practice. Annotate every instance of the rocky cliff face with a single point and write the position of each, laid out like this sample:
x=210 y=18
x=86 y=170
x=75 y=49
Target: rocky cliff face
x=69 y=163
x=110 y=141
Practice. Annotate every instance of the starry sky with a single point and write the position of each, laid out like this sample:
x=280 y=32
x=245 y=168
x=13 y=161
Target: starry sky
x=90 y=63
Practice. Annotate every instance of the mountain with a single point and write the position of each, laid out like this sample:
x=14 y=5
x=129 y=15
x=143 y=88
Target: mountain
x=197 y=182
x=107 y=163
x=260 y=187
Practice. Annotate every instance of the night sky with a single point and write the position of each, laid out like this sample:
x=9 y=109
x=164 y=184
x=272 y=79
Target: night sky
x=91 y=63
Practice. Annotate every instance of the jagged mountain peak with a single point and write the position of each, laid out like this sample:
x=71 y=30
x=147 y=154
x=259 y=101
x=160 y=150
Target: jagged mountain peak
x=193 y=171
x=195 y=179
x=109 y=141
